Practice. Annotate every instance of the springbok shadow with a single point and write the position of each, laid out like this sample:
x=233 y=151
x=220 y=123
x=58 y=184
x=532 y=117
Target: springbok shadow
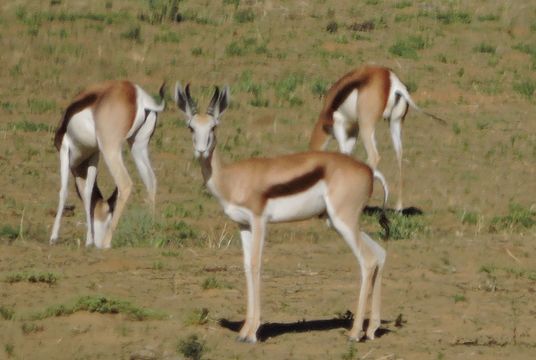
x=409 y=211
x=270 y=330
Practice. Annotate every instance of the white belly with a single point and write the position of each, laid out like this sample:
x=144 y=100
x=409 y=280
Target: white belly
x=299 y=206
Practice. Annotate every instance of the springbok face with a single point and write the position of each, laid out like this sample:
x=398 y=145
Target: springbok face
x=202 y=126
x=102 y=216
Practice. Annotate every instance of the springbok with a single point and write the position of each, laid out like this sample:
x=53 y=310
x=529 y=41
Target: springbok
x=258 y=191
x=99 y=121
x=355 y=103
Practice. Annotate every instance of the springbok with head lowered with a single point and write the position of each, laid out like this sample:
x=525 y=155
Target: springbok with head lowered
x=258 y=191
x=99 y=121
x=355 y=103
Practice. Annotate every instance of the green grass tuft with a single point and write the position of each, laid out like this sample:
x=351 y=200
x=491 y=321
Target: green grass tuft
x=525 y=87
x=405 y=227
x=518 y=218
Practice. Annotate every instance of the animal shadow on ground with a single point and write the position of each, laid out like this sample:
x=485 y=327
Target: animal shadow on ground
x=409 y=211
x=270 y=330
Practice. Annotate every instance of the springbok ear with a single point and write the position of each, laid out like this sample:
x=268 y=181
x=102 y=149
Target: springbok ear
x=183 y=100
x=219 y=102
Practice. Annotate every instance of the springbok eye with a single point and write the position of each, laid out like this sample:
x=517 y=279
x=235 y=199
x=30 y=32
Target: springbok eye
x=190 y=128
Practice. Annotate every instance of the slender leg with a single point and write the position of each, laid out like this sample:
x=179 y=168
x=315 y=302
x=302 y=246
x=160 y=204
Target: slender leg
x=379 y=252
x=140 y=153
x=91 y=175
x=345 y=139
x=343 y=218
x=369 y=141
x=396 y=136
x=64 y=190
x=252 y=242
x=114 y=162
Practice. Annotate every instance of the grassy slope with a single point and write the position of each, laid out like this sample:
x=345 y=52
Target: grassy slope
x=470 y=63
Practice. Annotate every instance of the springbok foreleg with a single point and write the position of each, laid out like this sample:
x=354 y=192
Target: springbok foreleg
x=252 y=243
x=85 y=176
x=64 y=190
x=140 y=154
x=344 y=133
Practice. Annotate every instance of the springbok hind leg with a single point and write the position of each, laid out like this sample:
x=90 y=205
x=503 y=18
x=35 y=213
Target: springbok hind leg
x=118 y=171
x=343 y=221
x=379 y=252
x=140 y=154
x=64 y=190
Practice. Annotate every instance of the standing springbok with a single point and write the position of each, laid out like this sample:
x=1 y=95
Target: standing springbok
x=355 y=103
x=257 y=191
x=99 y=121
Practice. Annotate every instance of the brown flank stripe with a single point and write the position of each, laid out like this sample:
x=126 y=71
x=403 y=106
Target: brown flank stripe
x=296 y=185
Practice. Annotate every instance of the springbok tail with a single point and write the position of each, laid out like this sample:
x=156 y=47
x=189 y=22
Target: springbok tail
x=384 y=221
x=405 y=94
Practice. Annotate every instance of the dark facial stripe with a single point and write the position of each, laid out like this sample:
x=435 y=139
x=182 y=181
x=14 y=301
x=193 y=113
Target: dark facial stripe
x=72 y=109
x=296 y=185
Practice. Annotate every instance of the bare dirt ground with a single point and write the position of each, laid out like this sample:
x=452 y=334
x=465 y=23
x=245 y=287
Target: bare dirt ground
x=460 y=280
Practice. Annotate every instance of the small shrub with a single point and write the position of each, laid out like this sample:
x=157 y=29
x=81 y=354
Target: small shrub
x=168 y=37
x=211 y=283
x=6 y=314
x=488 y=17
x=235 y=3
x=407 y=48
x=319 y=87
x=9 y=232
x=402 y=4
x=197 y=317
x=9 y=349
x=161 y=11
x=332 y=27
x=485 y=48
x=459 y=297
x=525 y=87
x=41 y=106
x=133 y=33
x=469 y=218
x=452 y=16
x=29 y=328
x=244 y=16
x=197 y=51
x=191 y=347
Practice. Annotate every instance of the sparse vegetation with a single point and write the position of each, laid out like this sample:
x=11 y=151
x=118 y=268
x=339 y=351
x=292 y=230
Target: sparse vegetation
x=197 y=317
x=407 y=48
x=191 y=347
x=517 y=218
x=6 y=313
x=405 y=227
x=41 y=277
x=102 y=305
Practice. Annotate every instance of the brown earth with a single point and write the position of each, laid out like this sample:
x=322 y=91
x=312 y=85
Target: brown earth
x=461 y=285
